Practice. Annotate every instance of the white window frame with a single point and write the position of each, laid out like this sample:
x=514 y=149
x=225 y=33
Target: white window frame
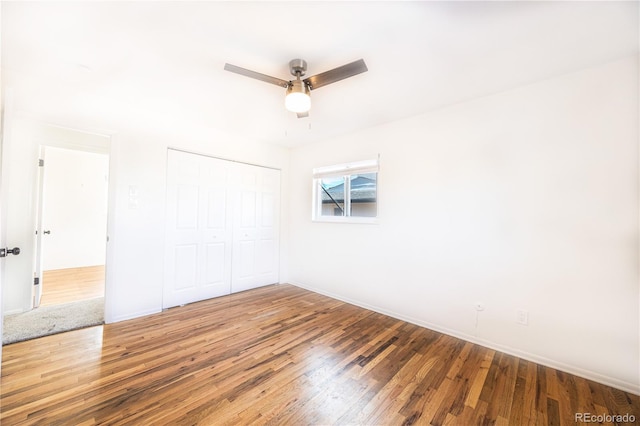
x=344 y=171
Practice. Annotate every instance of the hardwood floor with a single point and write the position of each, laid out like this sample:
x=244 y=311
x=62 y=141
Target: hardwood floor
x=73 y=284
x=284 y=355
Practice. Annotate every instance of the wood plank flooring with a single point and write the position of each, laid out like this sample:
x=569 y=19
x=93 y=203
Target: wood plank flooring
x=72 y=284
x=282 y=355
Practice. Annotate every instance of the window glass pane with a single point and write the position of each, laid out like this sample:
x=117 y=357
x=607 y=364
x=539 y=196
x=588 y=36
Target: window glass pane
x=363 y=194
x=331 y=192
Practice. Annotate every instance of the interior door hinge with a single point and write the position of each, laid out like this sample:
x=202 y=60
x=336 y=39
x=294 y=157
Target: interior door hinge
x=41 y=162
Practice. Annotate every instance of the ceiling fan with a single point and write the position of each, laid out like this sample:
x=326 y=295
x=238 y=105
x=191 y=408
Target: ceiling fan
x=297 y=98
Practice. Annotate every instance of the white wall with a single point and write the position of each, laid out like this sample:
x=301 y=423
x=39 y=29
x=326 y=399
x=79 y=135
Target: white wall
x=74 y=208
x=527 y=199
x=135 y=252
x=136 y=283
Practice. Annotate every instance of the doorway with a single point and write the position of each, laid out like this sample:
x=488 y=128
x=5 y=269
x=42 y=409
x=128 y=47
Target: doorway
x=23 y=278
x=73 y=224
x=70 y=245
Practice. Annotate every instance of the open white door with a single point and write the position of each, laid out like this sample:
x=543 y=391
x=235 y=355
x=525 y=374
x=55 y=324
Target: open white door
x=3 y=221
x=2 y=242
x=39 y=234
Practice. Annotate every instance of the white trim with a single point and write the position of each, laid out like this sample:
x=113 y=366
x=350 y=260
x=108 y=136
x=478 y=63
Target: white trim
x=222 y=158
x=134 y=315
x=366 y=166
x=108 y=146
x=345 y=219
x=110 y=255
x=591 y=375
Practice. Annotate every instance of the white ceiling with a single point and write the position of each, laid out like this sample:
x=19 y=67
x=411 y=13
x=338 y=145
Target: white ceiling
x=117 y=65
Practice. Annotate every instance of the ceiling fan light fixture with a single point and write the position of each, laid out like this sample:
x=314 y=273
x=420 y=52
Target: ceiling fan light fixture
x=297 y=99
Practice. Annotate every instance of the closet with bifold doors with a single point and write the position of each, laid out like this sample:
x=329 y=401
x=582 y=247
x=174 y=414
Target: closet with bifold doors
x=221 y=229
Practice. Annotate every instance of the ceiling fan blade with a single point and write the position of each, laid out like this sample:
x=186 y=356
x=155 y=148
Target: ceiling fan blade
x=336 y=74
x=302 y=114
x=256 y=75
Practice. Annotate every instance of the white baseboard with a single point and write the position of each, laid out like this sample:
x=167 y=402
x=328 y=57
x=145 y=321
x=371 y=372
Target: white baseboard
x=110 y=320
x=591 y=375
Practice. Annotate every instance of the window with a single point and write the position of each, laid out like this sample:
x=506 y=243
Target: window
x=346 y=192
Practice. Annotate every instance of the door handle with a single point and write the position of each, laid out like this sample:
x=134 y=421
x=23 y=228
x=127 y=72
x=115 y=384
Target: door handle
x=47 y=232
x=6 y=251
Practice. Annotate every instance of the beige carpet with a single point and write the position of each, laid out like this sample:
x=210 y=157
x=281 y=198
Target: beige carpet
x=53 y=319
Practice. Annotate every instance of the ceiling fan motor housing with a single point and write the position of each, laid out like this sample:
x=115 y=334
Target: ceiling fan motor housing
x=298 y=67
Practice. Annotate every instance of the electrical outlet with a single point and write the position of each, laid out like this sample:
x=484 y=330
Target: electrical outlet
x=479 y=306
x=522 y=317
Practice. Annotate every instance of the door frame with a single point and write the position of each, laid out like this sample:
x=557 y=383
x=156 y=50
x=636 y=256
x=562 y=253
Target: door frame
x=109 y=148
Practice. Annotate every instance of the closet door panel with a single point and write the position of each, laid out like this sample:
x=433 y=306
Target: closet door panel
x=198 y=229
x=215 y=263
x=257 y=215
x=265 y=256
x=185 y=266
